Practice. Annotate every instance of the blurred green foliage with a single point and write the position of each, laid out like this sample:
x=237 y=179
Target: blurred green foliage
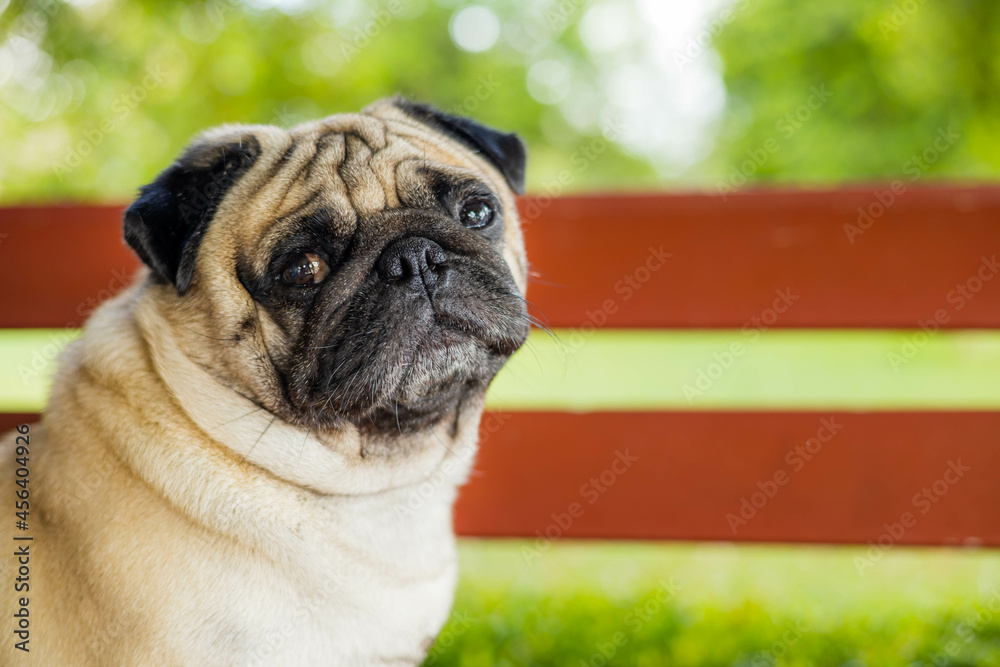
x=652 y=605
x=96 y=96
x=99 y=97
x=896 y=75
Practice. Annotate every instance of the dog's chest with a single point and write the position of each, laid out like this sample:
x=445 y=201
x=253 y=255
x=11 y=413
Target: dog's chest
x=362 y=623
x=376 y=591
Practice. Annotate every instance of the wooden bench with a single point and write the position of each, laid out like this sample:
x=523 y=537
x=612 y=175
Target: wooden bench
x=690 y=474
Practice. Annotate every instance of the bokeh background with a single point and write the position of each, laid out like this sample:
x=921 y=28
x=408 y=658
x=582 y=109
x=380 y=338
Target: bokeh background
x=96 y=96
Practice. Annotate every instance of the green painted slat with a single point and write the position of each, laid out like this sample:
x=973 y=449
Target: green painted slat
x=28 y=358
x=804 y=369
x=786 y=369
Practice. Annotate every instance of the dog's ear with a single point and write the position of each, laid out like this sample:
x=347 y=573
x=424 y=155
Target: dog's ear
x=166 y=223
x=504 y=151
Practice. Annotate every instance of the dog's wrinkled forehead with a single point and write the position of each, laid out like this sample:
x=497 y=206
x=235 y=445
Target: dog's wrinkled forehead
x=250 y=182
x=350 y=168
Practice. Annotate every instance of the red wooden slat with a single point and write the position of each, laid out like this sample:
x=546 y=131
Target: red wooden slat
x=10 y=420
x=691 y=470
x=536 y=470
x=58 y=262
x=729 y=257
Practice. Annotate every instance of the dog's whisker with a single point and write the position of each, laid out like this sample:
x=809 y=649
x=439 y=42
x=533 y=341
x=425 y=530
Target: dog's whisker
x=215 y=428
x=259 y=438
x=302 y=449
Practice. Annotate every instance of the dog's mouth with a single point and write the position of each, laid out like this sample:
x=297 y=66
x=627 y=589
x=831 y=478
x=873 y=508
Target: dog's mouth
x=407 y=362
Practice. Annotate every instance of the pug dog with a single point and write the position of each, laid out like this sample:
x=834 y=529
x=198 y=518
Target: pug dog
x=251 y=455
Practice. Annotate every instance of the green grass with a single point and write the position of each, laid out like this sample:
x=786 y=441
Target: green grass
x=721 y=605
x=649 y=370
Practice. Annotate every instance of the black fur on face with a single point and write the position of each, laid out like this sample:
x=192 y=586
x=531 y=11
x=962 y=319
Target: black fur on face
x=418 y=311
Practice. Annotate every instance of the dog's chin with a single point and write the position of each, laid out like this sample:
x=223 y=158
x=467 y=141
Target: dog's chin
x=445 y=367
x=445 y=359
x=415 y=380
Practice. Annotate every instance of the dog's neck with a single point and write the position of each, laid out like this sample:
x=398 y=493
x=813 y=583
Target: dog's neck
x=332 y=462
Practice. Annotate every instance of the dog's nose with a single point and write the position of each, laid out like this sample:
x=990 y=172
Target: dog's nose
x=413 y=262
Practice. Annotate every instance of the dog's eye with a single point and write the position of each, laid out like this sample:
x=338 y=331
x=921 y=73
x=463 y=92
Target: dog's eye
x=307 y=269
x=476 y=213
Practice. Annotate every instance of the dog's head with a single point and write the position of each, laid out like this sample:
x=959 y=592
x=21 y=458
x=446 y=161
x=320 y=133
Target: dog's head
x=364 y=269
